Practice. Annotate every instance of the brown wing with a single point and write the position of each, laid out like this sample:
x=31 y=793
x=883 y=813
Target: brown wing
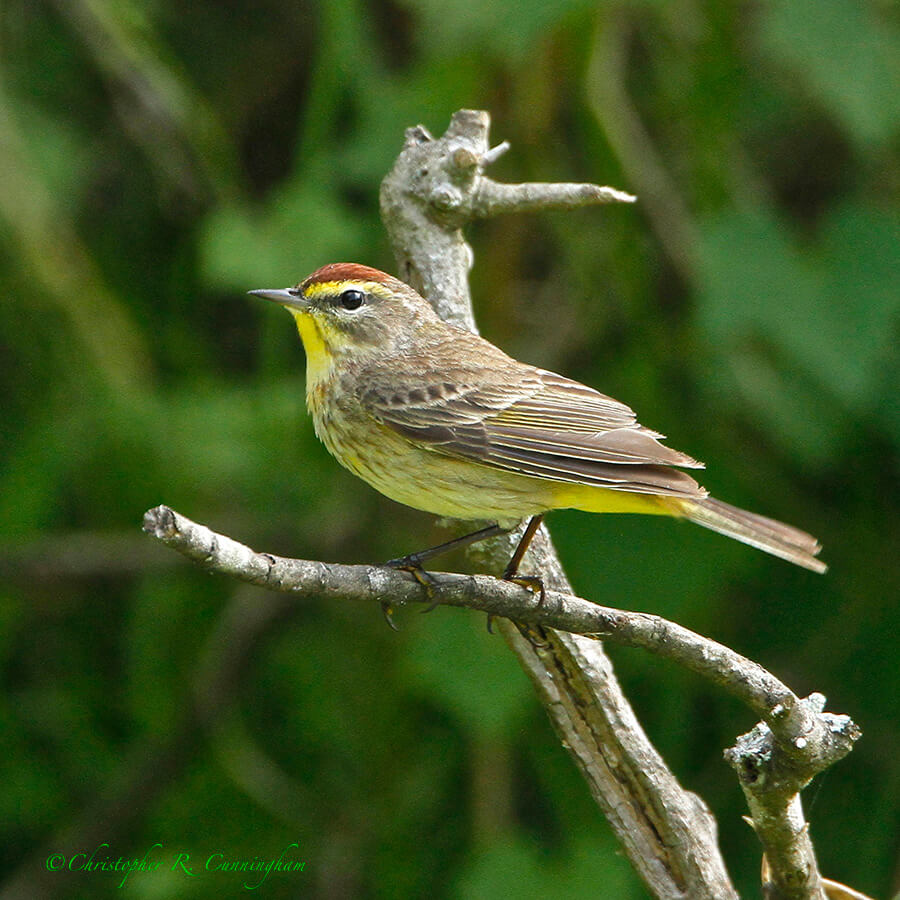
x=506 y=414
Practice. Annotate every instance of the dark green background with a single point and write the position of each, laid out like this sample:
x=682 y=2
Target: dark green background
x=158 y=159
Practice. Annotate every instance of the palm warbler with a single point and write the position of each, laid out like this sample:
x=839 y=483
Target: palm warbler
x=442 y=420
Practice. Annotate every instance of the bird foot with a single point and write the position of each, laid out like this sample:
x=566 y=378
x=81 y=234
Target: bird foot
x=413 y=565
x=532 y=582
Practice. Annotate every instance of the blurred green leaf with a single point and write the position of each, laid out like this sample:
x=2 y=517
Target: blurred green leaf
x=514 y=868
x=760 y=294
x=846 y=53
x=165 y=613
x=300 y=228
x=488 y=692
x=458 y=26
x=33 y=799
x=860 y=253
x=57 y=151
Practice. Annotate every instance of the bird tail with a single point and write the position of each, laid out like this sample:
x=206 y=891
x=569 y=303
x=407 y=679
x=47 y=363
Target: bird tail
x=774 y=537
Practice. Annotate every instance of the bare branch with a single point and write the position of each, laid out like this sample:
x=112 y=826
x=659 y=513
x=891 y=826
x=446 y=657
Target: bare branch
x=815 y=740
x=494 y=198
x=437 y=186
x=774 y=764
x=774 y=761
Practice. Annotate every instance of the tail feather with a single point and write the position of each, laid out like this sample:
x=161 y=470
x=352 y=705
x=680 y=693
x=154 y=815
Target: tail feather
x=774 y=537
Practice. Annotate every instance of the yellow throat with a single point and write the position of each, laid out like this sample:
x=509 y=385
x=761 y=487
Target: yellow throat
x=318 y=354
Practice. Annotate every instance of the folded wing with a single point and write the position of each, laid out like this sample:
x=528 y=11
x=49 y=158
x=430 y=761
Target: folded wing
x=535 y=422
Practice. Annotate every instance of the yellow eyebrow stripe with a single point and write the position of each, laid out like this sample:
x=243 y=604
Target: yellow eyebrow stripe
x=325 y=288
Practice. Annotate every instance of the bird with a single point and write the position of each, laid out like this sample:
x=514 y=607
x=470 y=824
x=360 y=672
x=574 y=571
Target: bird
x=438 y=418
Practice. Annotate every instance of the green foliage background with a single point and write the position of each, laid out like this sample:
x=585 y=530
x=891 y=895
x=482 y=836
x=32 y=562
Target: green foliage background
x=158 y=159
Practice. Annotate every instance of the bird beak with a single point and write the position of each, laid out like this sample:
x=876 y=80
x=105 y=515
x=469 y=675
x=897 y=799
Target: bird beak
x=286 y=297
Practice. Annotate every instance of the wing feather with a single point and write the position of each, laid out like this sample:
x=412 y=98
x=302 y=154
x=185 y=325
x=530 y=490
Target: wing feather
x=528 y=420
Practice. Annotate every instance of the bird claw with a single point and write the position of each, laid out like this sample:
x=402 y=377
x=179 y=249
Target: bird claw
x=413 y=565
x=532 y=582
x=534 y=634
x=388 y=612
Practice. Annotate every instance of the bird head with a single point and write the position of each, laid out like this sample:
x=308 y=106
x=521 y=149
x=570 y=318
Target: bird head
x=346 y=307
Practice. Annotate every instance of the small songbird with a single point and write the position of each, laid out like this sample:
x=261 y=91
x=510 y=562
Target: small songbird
x=440 y=419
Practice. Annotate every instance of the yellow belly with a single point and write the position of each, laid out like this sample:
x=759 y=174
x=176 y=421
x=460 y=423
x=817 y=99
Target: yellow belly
x=596 y=499
x=446 y=486
x=439 y=484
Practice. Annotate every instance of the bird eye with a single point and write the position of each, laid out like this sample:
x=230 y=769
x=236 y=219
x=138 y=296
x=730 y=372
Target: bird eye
x=352 y=299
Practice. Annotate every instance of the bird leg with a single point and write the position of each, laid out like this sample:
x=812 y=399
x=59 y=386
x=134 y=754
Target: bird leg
x=511 y=572
x=532 y=582
x=413 y=562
